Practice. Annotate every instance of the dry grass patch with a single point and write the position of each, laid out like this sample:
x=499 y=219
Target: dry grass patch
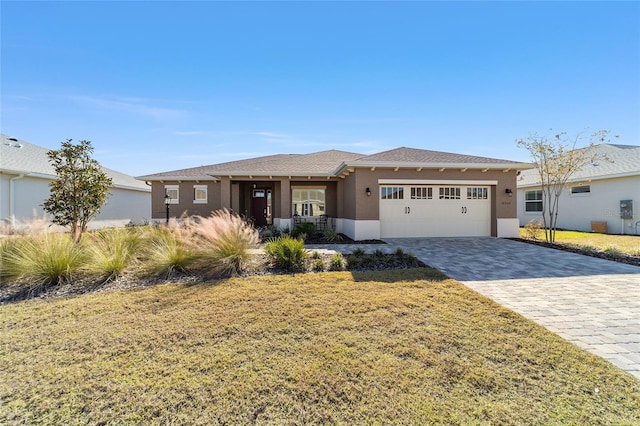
x=403 y=347
x=627 y=244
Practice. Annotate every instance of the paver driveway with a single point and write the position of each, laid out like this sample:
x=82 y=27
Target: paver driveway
x=591 y=302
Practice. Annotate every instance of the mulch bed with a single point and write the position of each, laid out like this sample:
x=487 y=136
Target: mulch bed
x=622 y=258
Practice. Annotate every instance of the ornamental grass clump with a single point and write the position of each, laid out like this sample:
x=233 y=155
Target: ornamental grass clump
x=42 y=260
x=287 y=253
x=112 y=251
x=165 y=251
x=221 y=242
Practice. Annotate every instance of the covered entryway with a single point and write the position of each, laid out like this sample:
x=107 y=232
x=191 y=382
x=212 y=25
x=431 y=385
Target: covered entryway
x=443 y=210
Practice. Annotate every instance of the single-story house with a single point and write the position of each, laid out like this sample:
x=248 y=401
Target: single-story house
x=403 y=192
x=25 y=174
x=603 y=195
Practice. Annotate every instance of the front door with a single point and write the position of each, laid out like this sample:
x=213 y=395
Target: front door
x=259 y=207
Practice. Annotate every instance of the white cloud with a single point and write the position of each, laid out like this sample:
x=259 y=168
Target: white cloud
x=138 y=106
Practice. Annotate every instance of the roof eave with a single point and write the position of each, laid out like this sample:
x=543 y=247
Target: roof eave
x=431 y=165
x=583 y=179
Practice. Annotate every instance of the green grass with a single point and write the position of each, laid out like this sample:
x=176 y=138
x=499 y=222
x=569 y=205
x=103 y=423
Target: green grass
x=395 y=347
x=627 y=244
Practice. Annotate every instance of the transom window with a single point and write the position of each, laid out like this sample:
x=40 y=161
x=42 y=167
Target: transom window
x=308 y=201
x=477 y=193
x=421 y=193
x=533 y=201
x=173 y=192
x=582 y=189
x=200 y=194
x=450 y=193
x=391 y=193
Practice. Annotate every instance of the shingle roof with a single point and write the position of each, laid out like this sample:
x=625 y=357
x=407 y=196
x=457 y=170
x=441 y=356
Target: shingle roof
x=323 y=163
x=613 y=160
x=329 y=163
x=24 y=157
x=415 y=156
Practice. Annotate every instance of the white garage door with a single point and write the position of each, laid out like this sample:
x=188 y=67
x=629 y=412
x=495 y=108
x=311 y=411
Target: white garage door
x=435 y=211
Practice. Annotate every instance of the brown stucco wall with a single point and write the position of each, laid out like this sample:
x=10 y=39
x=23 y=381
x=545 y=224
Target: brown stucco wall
x=186 y=205
x=367 y=208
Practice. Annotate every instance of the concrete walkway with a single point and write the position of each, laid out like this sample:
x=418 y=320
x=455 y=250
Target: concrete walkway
x=591 y=302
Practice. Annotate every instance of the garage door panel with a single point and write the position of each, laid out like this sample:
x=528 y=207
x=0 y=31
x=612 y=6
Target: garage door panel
x=437 y=213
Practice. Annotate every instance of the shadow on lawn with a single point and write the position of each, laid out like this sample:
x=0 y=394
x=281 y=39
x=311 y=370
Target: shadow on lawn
x=399 y=275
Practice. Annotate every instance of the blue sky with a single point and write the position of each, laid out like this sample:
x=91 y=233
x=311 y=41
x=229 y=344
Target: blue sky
x=158 y=86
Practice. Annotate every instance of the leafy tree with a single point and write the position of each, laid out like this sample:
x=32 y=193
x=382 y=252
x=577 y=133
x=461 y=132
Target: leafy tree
x=80 y=190
x=557 y=158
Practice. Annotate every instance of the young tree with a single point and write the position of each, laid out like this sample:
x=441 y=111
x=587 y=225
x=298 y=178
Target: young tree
x=557 y=158
x=80 y=190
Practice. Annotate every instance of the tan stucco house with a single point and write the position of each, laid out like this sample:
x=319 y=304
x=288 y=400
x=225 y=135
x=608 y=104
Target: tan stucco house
x=403 y=192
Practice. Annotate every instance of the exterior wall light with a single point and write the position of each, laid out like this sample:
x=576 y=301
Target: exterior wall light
x=368 y=191
x=509 y=192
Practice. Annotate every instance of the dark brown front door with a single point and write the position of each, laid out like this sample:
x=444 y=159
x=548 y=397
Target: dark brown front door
x=259 y=207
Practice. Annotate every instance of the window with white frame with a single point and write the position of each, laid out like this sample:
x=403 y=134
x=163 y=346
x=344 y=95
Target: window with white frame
x=391 y=193
x=173 y=192
x=421 y=193
x=200 y=194
x=308 y=201
x=581 y=189
x=533 y=201
x=449 y=193
x=474 y=193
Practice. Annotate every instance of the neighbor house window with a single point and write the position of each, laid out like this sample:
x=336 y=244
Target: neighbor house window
x=582 y=189
x=533 y=201
x=450 y=193
x=421 y=193
x=477 y=193
x=200 y=194
x=308 y=201
x=173 y=192
x=391 y=193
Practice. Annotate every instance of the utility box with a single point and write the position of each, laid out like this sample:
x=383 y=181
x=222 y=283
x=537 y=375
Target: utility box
x=626 y=209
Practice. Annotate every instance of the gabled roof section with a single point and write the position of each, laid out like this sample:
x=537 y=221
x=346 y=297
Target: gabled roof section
x=412 y=157
x=613 y=161
x=315 y=164
x=17 y=156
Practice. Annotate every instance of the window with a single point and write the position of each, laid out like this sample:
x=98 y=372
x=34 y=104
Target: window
x=199 y=194
x=173 y=192
x=391 y=193
x=582 y=189
x=533 y=201
x=421 y=193
x=477 y=193
x=450 y=193
x=308 y=201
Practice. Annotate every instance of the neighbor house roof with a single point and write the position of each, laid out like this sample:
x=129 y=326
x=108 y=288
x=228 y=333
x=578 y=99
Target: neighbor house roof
x=611 y=161
x=332 y=163
x=17 y=156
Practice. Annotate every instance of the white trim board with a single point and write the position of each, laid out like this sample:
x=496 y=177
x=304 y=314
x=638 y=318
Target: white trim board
x=435 y=182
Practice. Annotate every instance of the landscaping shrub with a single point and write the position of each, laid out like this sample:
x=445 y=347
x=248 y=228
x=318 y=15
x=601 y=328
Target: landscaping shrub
x=166 y=252
x=532 y=230
x=331 y=235
x=111 y=251
x=43 y=260
x=287 y=253
x=307 y=228
x=612 y=250
x=317 y=265
x=337 y=262
x=357 y=252
x=221 y=242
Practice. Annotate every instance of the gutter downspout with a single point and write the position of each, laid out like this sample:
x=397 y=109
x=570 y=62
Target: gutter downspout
x=12 y=206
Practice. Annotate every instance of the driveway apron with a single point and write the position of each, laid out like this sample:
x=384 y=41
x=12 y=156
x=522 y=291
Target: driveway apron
x=591 y=302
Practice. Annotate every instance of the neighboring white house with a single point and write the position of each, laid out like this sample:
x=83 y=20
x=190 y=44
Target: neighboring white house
x=25 y=174
x=606 y=191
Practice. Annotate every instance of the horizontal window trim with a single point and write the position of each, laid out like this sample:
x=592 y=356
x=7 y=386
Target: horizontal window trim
x=435 y=182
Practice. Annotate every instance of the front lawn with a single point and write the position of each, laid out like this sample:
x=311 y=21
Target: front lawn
x=391 y=347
